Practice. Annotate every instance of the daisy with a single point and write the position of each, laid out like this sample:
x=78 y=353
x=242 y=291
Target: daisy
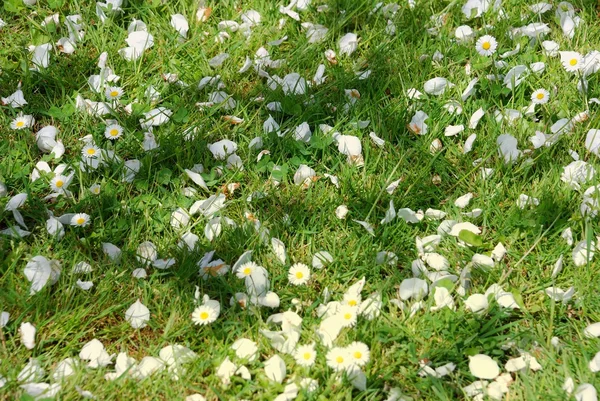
x=353 y=300
x=540 y=96
x=338 y=359
x=95 y=189
x=22 y=121
x=113 y=92
x=90 y=151
x=246 y=269
x=347 y=315
x=571 y=61
x=204 y=314
x=305 y=355
x=486 y=45
x=60 y=183
x=113 y=131
x=359 y=353
x=299 y=274
x=80 y=220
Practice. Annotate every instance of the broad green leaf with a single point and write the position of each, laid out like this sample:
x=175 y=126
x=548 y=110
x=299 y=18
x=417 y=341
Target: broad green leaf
x=470 y=238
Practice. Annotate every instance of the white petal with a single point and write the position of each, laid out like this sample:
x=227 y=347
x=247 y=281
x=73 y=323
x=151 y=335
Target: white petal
x=366 y=225
x=586 y=392
x=179 y=218
x=137 y=315
x=413 y=288
x=483 y=367
x=594 y=364
x=592 y=141
x=320 y=259
x=275 y=368
x=279 y=249
x=27 y=331
x=593 y=330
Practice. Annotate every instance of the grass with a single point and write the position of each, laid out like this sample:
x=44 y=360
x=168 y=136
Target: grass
x=126 y=214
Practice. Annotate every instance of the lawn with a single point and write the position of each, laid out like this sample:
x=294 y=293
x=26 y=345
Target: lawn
x=316 y=200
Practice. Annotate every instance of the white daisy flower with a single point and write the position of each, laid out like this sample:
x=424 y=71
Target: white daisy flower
x=90 y=151
x=113 y=92
x=486 y=45
x=571 y=61
x=22 y=121
x=305 y=355
x=113 y=131
x=246 y=269
x=352 y=300
x=359 y=353
x=299 y=274
x=80 y=220
x=205 y=314
x=540 y=96
x=338 y=359
x=348 y=315
x=60 y=183
x=95 y=189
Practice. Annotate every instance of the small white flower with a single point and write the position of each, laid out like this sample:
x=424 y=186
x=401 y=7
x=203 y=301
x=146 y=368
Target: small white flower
x=246 y=269
x=305 y=355
x=60 y=183
x=113 y=131
x=113 y=92
x=22 y=121
x=486 y=45
x=205 y=314
x=95 y=189
x=90 y=151
x=80 y=220
x=352 y=299
x=347 y=315
x=338 y=359
x=540 y=96
x=571 y=61
x=299 y=274
x=359 y=353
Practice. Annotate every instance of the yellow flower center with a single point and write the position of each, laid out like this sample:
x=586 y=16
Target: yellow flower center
x=91 y=151
x=247 y=271
x=59 y=183
x=114 y=94
x=573 y=61
x=540 y=96
x=114 y=132
x=204 y=315
x=486 y=45
x=96 y=191
x=352 y=302
x=299 y=275
x=339 y=359
x=20 y=124
x=80 y=220
x=357 y=355
x=306 y=356
x=348 y=316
